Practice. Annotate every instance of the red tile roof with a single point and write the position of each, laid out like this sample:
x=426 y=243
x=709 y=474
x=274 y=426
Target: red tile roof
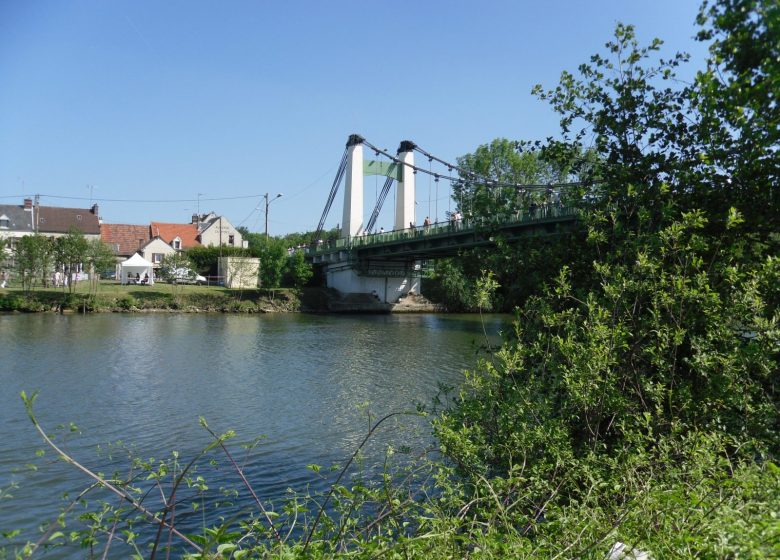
x=188 y=233
x=125 y=239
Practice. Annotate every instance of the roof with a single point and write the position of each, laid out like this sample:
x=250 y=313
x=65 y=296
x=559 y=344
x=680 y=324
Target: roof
x=53 y=219
x=136 y=261
x=125 y=239
x=188 y=233
x=19 y=218
x=156 y=238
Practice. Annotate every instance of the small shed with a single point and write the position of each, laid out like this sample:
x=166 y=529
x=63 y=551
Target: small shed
x=136 y=265
x=240 y=272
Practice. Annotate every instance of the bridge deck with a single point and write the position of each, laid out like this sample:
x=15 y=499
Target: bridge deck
x=443 y=239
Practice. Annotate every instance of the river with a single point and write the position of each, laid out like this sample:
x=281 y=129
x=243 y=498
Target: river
x=305 y=383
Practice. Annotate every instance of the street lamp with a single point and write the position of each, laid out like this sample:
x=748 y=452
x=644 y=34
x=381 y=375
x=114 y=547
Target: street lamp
x=267 y=204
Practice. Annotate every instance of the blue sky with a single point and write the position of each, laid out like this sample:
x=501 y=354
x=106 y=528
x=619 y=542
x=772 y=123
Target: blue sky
x=162 y=101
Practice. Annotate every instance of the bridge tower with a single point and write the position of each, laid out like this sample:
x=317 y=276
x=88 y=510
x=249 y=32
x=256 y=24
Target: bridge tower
x=358 y=168
x=352 y=219
x=404 y=199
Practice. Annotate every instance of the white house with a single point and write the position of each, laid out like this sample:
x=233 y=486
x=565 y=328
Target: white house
x=214 y=231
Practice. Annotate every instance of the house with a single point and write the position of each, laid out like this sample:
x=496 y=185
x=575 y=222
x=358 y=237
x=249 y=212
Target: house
x=155 y=250
x=54 y=221
x=124 y=239
x=158 y=239
x=179 y=236
x=16 y=221
x=128 y=239
x=214 y=231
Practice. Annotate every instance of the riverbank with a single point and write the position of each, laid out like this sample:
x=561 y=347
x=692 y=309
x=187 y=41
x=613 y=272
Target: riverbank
x=115 y=298
x=163 y=298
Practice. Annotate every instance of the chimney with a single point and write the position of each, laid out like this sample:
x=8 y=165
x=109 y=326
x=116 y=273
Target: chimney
x=195 y=219
x=94 y=209
x=28 y=203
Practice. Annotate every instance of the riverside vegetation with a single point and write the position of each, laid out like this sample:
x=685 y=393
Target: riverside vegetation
x=637 y=399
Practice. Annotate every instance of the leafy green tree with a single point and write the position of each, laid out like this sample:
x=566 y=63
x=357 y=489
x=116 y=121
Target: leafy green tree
x=100 y=258
x=272 y=253
x=297 y=271
x=736 y=99
x=482 y=190
x=33 y=259
x=175 y=265
x=640 y=127
x=70 y=253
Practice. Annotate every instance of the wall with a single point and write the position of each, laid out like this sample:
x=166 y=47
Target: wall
x=210 y=237
x=240 y=272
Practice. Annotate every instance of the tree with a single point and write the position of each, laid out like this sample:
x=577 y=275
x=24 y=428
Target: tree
x=508 y=163
x=737 y=99
x=176 y=266
x=70 y=253
x=272 y=253
x=99 y=258
x=33 y=258
x=297 y=271
x=670 y=344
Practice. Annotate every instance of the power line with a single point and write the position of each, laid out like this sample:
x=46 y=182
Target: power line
x=138 y=200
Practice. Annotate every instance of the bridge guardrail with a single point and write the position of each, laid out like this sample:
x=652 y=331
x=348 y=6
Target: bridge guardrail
x=529 y=216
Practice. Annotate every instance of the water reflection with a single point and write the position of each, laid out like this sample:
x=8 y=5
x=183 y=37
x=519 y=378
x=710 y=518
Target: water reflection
x=145 y=379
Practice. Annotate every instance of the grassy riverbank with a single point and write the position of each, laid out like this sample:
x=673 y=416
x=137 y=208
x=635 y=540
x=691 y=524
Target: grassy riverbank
x=114 y=297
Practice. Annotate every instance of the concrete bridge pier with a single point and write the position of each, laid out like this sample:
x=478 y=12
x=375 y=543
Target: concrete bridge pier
x=385 y=290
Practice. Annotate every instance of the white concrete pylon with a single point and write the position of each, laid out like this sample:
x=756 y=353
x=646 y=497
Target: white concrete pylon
x=404 y=200
x=352 y=220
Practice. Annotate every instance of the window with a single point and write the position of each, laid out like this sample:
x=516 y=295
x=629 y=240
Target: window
x=5 y=222
x=177 y=243
x=157 y=258
x=78 y=217
x=231 y=240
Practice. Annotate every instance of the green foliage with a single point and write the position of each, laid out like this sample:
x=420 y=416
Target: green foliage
x=736 y=98
x=298 y=272
x=99 y=258
x=449 y=285
x=172 y=265
x=70 y=252
x=272 y=253
x=33 y=258
x=204 y=259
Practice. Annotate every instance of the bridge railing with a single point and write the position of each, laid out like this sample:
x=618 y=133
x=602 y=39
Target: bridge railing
x=529 y=216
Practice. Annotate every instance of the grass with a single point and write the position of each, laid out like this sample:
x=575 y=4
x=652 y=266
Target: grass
x=113 y=296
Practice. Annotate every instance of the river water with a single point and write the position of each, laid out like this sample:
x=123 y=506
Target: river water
x=306 y=383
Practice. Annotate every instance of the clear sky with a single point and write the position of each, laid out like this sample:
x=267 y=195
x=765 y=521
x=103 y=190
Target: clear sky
x=167 y=103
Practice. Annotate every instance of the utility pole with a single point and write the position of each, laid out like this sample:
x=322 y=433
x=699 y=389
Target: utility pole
x=267 y=204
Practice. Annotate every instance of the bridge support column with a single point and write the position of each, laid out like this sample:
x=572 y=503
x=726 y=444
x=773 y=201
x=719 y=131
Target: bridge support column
x=352 y=220
x=404 y=200
x=384 y=289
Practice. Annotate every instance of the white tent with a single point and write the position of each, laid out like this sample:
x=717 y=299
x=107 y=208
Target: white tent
x=136 y=265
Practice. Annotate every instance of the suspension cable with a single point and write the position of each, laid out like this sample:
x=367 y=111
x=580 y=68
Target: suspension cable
x=379 y=202
x=332 y=196
x=491 y=183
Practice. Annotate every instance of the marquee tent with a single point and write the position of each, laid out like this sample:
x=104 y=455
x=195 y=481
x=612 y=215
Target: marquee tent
x=136 y=265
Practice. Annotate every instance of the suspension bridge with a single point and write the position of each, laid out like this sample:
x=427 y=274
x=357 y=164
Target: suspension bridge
x=389 y=264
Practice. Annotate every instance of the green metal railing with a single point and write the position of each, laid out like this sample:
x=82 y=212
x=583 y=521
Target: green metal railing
x=538 y=215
